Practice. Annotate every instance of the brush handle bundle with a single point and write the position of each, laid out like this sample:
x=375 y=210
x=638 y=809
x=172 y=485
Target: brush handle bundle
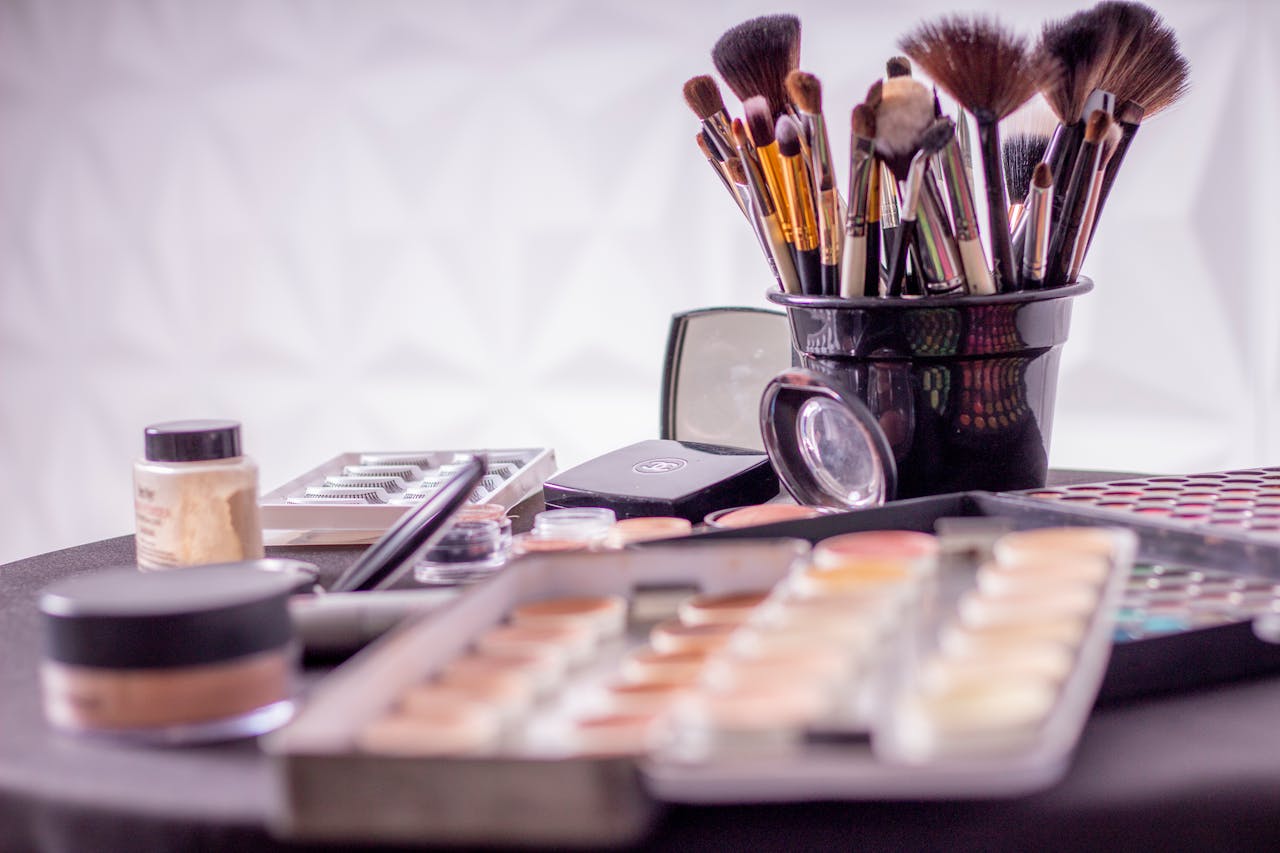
x=910 y=227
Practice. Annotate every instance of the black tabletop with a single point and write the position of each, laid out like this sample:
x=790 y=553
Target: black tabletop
x=1197 y=770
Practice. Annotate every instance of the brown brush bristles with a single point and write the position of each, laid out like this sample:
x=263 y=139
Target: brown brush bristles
x=988 y=69
x=1042 y=176
x=1096 y=127
x=735 y=170
x=1145 y=65
x=755 y=56
x=1072 y=53
x=704 y=147
x=875 y=94
x=805 y=91
x=864 y=122
x=740 y=137
x=759 y=120
x=703 y=96
x=897 y=66
x=788 y=133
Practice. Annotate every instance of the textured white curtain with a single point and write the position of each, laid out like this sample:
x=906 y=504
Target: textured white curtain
x=410 y=225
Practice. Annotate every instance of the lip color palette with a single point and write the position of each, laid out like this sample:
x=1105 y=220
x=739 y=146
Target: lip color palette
x=1245 y=500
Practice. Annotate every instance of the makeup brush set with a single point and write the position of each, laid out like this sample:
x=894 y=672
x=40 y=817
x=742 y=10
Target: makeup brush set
x=910 y=224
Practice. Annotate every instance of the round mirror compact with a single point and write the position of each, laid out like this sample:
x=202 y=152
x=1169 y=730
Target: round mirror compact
x=824 y=443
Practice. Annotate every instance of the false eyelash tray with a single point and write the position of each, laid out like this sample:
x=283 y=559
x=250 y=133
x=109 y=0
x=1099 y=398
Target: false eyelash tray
x=356 y=496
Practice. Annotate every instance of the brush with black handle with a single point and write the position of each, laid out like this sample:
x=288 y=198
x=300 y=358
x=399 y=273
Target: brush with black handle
x=804 y=226
x=1076 y=193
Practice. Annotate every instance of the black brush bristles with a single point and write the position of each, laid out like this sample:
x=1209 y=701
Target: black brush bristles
x=1072 y=53
x=1022 y=152
x=755 y=56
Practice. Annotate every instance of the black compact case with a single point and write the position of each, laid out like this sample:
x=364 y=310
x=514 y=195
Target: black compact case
x=664 y=477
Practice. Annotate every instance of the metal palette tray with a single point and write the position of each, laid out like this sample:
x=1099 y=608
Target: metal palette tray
x=333 y=792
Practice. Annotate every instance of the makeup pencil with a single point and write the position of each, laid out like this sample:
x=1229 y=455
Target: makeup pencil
x=1039 y=209
x=806 y=93
x=990 y=72
x=755 y=56
x=765 y=209
x=860 y=273
x=804 y=227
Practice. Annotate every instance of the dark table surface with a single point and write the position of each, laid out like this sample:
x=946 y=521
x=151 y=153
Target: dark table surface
x=1196 y=770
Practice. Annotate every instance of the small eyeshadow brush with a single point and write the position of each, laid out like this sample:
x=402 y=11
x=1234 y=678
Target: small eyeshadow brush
x=806 y=93
x=797 y=185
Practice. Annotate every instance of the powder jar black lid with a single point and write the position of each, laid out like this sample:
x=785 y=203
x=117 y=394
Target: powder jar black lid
x=192 y=441
x=126 y=619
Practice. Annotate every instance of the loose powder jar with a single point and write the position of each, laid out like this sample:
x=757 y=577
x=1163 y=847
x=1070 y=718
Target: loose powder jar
x=195 y=496
x=170 y=657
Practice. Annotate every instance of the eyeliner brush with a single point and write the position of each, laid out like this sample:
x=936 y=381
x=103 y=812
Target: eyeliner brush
x=765 y=210
x=1039 y=211
x=860 y=262
x=806 y=93
x=797 y=185
x=1076 y=191
x=990 y=72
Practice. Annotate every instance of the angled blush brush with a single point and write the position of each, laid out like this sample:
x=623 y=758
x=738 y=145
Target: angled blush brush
x=804 y=227
x=990 y=72
x=755 y=56
x=806 y=93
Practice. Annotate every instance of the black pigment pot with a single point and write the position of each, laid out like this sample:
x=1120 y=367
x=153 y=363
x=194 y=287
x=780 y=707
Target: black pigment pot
x=901 y=398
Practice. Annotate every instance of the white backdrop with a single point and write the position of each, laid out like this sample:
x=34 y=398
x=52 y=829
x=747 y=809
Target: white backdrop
x=407 y=225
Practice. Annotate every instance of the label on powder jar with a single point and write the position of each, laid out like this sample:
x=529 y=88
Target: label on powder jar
x=205 y=514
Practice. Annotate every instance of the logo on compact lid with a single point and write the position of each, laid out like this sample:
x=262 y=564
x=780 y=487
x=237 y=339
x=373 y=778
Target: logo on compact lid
x=662 y=465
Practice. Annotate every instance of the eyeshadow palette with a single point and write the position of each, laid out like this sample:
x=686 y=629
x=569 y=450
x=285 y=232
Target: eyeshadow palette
x=1245 y=500
x=593 y=687
x=355 y=497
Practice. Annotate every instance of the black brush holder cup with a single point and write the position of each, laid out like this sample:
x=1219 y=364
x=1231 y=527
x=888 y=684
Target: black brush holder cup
x=961 y=387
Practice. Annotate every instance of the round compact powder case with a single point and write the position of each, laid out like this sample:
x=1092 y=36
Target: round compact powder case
x=826 y=446
x=199 y=655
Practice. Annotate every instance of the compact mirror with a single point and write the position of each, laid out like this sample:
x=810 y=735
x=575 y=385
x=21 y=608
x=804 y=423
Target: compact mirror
x=826 y=446
x=718 y=362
